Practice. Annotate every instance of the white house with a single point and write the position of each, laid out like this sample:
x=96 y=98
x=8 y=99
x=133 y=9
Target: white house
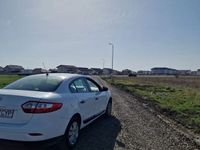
x=39 y=71
x=107 y=71
x=13 y=69
x=66 y=69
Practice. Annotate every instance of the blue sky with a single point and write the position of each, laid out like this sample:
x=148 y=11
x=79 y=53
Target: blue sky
x=146 y=33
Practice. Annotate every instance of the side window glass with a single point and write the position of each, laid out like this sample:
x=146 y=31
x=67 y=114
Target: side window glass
x=80 y=86
x=73 y=88
x=93 y=86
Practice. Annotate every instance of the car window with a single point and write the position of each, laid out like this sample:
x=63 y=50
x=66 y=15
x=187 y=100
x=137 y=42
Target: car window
x=72 y=88
x=79 y=86
x=36 y=83
x=93 y=86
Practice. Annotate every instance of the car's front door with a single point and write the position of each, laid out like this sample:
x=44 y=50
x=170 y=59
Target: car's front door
x=86 y=100
x=100 y=98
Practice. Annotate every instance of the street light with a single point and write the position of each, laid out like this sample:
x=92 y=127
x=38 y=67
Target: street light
x=103 y=62
x=112 y=54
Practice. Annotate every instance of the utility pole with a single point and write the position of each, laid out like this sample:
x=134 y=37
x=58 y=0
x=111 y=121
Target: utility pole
x=112 y=57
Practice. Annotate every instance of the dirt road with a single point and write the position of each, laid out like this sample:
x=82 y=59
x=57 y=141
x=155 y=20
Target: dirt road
x=142 y=129
x=132 y=126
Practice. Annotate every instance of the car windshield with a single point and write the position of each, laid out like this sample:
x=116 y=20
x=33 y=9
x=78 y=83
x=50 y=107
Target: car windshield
x=36 y=83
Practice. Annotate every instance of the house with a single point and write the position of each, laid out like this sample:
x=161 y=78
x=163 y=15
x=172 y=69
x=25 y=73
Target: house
x=53 y=70
x=13 y=69
x=198 y=72
x=126 y=72
x=184 y=72
x=163 y=71
x=107 y=71
x=26 y=72
x=194 y=73
x=84 y=71
x=39 y=71
x=116 y=72
x=66 y=69
x=144 y=72
x=97 y=71
x=1 y=69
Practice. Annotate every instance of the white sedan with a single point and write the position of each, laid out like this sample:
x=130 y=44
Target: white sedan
x=51 y=107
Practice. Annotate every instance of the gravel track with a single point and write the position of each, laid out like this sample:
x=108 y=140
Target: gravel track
x=142 y=129
x=133 y=126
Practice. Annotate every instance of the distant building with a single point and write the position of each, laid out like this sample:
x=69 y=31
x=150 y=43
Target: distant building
x=194 y=73
x=116 y=72
x=184 y=72
x=67 y=69
x=144 y=72
x=39 y=71
x=1 y=69
x=26 y=72
x=13 y=69
x=198 y=72
x=127 y=72
x=97 y=71
x=53 y=70
x=84 y=71
x=107 y=71
x=163 y=71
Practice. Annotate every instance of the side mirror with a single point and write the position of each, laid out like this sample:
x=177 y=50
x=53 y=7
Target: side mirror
x=104 y=89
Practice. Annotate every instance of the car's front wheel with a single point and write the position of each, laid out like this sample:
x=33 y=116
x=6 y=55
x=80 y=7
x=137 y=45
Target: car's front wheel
x=71 y=135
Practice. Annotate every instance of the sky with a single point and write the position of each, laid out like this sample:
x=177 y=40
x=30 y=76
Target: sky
x=145 y=33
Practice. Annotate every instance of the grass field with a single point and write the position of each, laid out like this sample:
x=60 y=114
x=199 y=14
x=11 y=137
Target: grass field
x=6 y=79
x=179 y=97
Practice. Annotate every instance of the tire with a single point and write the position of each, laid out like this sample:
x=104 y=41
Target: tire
x=71 y=136
x=108 y=112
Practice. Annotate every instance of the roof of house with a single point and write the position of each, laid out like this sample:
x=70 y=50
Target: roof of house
x=14 y=67
x=67 y=66
x=126 y=70
x=97 y=69
x=83 y=69
x=38 y=69
x=163 y=68
x=184 y=70
x=107 y=69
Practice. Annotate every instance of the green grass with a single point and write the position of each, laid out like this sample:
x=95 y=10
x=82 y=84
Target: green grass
x=6 y=79
x=180 y=97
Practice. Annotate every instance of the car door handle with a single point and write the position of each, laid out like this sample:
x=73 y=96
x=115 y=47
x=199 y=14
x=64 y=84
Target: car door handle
x=82 y=102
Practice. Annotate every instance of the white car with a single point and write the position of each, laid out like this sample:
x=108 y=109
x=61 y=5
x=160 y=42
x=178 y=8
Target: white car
x=51 y=107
